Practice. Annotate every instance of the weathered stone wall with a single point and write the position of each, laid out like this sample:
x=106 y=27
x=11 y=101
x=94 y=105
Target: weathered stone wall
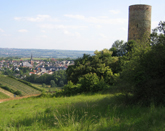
x=139 y=21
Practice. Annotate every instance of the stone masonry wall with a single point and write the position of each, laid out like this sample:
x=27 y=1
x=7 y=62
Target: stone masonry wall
x=139 y=21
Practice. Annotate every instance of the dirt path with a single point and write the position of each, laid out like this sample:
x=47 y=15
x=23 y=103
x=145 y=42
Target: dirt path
x=7 y=93
x=16 y=98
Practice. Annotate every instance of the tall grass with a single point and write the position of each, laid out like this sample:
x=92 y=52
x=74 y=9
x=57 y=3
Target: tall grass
x=97 y=112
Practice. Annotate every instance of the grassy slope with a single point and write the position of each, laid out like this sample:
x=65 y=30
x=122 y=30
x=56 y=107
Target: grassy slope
x=94 y=113
x=3 y=96
x=9 y=94
x=47 y=88
x=16 y=85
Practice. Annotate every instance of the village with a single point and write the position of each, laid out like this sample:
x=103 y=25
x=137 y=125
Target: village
x=22 y=68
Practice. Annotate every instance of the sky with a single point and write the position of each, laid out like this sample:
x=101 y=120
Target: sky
x=68 y=24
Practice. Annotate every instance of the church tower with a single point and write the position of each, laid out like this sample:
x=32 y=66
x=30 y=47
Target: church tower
x=31 y=60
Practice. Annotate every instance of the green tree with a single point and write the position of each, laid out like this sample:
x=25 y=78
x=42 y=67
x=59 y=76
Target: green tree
x=43 y=85
x=143 y=75
x=61 y=83
x=118 y=48
x=52 y=83
x=158 y=34
x=102 y=65
x=89 y=82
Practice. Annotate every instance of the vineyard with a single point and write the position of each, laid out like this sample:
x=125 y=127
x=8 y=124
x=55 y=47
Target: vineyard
x=3 y=96
x=16 y=85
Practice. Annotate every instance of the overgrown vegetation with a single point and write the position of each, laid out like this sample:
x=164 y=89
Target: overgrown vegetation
x=136 y=67
x=143 y=75
x=83 y=112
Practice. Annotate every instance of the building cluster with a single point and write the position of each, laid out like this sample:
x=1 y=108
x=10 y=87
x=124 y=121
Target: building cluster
x=38 y=67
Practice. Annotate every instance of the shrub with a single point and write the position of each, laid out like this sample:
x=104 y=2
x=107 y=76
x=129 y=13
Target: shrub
x=61 y=83
x=144 y=76
x=43 y=85
x=18 y=93
x=52 y=83
x=150 y=76
x=89 y=82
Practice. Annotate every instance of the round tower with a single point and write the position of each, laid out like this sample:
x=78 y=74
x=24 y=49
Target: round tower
x=139 y=21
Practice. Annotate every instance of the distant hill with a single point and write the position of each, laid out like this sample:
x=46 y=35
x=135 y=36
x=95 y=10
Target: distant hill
x=42 y=53
x=17 y=85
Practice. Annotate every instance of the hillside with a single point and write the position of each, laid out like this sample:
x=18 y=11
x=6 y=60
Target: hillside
x=16 y=85
x=99 y=112
x=3 y=96
x=7 y=93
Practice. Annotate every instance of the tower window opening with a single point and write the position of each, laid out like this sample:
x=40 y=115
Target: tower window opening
x=137 y=25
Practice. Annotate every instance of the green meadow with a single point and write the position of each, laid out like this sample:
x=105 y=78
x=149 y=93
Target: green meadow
x=97 y=112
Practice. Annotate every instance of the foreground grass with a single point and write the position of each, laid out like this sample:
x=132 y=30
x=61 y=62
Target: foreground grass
x=3 y=96
x=97 y=112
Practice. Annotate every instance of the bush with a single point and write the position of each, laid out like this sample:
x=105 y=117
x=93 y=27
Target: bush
x=144 y=76
x=89 y=82
x=52 y=83
x=61 y=83
x=18 y=93
x=150 y=76
x=43 y=85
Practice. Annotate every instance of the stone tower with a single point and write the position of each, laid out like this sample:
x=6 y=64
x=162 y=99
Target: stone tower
x=139 y=21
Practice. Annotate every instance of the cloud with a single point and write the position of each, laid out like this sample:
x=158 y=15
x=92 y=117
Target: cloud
x=98 y=26
x=75 y=16
x=1 y=30
x=43 y=31
x=18 y=18
x=38 y=18
x=77 y=34
x=66 y=32
x=114 y=11
x=103 y=36
x=103 y=20
x=44 y=36
x=106 y=21
x=22 y=30
x=52 y=26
